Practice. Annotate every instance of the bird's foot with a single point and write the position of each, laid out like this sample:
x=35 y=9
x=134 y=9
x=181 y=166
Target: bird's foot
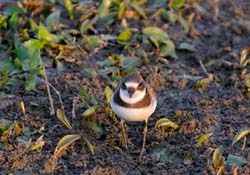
x=141 y=153
x=125 y=141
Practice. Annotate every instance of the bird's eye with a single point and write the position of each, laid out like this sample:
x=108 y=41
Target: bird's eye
x=140 y=85
x=123 y=86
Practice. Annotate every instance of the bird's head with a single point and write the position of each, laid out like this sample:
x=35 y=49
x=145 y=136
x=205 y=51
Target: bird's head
x=133 y=88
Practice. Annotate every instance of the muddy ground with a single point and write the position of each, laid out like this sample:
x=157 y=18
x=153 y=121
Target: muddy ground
x=221 y=107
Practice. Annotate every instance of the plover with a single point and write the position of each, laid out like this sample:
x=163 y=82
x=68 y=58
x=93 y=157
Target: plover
x=133 y=100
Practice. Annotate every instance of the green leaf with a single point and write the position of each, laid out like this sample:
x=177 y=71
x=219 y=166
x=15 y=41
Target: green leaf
x=155 y=32
x=108 y=37
x=159 y=153
x=235 y=161
x=165 y=122
x=138 y=9
x=15 y=82
x=184 y=24
x=94 y=41
x=247 y=80
x=105 y=17
x=94 y=126
x=3 y=129
x=38 y=144
x=44 y=34
x=125 y=71
x=130 y=62
x=154 y=42
x=37 y=44
x=158 y=12
x=53 y=20
x=24 y=52
x=105 y=20
x=124 y=35
x=91 y=110
x=29 y=133
x=116 y=78
x=62 y=117
x=23 y=55
x=34 y=27
x=202 y=84
x=108 y=93
x=64 y=142
x=83 y=92
x=117 y=148
x=103 y=9
x=35 y=60
x=67 y=38
x=218 y=159
x=189 y=77
x=18 y=64
x=93 y=100
x=31 y=82
x=242 y=133
x=121 y=10
x=17 y=128
x=188 y=159
x=178 y=3
x=69 y=7
x=14 y=21
x=59 y=66
x=4 y=78
x=170 y=16
x=3 y=121
x=203 y=138
x=13 y=9
x=168 y=49
x=89 y=73
x=85 y=25
x=90 y=146
x=3 y=22
x=243 y=57
x=28 y=57
x=186 y=46
x=8 y=65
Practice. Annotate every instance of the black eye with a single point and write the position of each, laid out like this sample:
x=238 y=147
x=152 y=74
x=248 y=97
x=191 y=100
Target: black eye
x=140 y=85
x=123 y=86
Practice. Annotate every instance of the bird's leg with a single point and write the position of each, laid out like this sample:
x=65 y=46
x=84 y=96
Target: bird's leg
x=124 y=135
x=144 y=137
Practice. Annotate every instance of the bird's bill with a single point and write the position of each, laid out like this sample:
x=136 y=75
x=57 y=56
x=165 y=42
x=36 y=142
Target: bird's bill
x=131 y=91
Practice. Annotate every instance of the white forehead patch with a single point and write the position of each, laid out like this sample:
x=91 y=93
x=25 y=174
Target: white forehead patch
x=131 y=84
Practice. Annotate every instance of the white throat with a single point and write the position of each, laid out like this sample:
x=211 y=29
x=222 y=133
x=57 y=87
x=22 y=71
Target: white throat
x=137 y=96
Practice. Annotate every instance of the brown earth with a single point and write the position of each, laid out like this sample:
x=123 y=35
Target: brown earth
x=222 y=108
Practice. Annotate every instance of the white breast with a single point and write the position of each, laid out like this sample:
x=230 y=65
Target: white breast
x=133 y=114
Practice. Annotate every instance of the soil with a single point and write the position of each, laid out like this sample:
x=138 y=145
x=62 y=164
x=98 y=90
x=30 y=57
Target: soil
x=221 y=107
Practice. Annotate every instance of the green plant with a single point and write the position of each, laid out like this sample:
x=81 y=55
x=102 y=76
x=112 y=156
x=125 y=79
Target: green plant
x=66 y=140
x=218 y=159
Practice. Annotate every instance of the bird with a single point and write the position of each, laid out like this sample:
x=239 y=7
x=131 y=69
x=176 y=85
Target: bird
x=132 y=101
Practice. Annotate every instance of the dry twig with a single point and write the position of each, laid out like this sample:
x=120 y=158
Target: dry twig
x=75 y=100
x=51 y=101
